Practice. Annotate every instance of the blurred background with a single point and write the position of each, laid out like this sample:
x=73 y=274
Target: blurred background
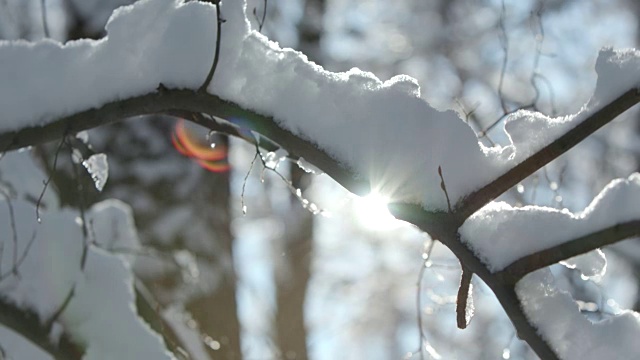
x=236 y=266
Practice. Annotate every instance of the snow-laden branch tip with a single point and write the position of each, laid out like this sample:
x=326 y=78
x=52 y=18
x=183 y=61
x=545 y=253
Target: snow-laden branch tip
x=500 y=234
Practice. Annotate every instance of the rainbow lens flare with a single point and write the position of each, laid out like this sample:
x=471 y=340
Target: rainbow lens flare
x=211 y=158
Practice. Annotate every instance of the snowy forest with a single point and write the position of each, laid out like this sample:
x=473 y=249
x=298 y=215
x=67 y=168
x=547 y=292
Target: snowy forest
x=319 y=179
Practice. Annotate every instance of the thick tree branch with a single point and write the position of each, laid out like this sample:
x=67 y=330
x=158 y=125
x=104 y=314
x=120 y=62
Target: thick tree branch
x=591 y=124
x=171 y=101
x=216 y=55
x=583 y=244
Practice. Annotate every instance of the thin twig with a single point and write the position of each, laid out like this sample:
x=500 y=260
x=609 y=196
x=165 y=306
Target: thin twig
x=264 y=15
x=244 y=183
x=56 y=315
x=216 y=55
x=310 y=206
x=504 y=40
x=538 y=35
x=443 y=186
x=46 y=183
x=533 y=104
x=14 y=269
x=45 y=24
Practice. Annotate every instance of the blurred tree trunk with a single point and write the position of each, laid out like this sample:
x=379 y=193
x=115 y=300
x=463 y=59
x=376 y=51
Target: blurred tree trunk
x=217 y=312
x=291 y=284
x=294 y=271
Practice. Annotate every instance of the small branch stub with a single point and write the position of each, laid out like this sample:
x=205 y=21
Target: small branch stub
x=443 y=186
x=464 y=304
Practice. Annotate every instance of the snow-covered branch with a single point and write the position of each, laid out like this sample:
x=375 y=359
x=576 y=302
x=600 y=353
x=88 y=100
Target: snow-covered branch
x=580 y=245
x=521 y=240
x=185 y=103
x=363 y=132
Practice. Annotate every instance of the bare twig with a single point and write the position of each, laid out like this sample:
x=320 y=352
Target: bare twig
x=48 y=181
x=264 y=15
x=310 y=206
x=43 y=11
x=504 y=41
x=539 y=38
x=244 y=183
x=216 y=55
x=56 y=315
x=443 y=186
x=14 y=271
x=533 y=104
x=471 y=118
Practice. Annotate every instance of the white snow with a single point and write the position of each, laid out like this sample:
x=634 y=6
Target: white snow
x=308 y=167
x=617 y=72
x=273 y=158
x=98 y=167
x=383 y=130
x=592 y=265
x=499 y=234
x=572 y=336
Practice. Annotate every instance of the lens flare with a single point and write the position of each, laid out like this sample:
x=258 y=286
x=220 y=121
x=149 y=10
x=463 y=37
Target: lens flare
x=211 y=158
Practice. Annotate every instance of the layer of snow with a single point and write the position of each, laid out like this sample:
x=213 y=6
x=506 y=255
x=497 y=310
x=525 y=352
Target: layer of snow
x=617 y=73
x=98 y=168
x=572 y=336
x=383 y=130
x=499 y=234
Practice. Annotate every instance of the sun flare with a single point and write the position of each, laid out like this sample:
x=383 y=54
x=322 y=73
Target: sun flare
x=372 y=213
